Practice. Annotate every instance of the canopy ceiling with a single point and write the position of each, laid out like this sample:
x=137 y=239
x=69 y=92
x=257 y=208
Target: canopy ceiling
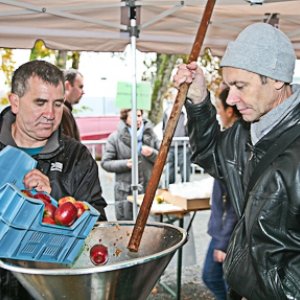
x=164 y=26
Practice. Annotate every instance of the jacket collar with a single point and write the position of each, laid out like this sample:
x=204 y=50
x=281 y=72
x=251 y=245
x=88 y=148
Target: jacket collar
x=289 y=120
x=275 y=116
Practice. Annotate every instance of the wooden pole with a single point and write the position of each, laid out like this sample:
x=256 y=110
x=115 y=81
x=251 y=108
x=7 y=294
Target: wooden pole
x=140 y=223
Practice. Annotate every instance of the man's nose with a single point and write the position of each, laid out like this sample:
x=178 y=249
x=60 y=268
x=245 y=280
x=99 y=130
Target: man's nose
x=232 y=98
x=49 y=112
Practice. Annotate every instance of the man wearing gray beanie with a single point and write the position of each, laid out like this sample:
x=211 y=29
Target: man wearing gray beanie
x=258 y=159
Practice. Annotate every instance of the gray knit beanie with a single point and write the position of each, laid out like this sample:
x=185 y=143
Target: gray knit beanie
x=262 y=49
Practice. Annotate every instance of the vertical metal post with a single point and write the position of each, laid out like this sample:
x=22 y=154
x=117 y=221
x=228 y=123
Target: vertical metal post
x=134 y=153
x=184 y=162
x=176 y=162
x=179 y=264
x=141 y=220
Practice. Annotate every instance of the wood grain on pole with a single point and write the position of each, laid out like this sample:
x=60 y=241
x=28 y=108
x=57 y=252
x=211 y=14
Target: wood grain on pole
x=168 y=135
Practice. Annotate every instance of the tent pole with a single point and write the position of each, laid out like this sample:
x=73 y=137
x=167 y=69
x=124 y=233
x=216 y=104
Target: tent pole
x=134 y=154
x=168 y=135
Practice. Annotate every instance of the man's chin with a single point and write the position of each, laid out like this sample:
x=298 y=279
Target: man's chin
x=43 y=137
x=45 y=133
x=248 y=118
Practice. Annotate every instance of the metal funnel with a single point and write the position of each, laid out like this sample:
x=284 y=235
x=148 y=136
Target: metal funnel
x=127 y=275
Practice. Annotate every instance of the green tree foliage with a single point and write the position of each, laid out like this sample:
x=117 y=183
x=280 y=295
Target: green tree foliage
x=7 y=66
x=75 y=57
x=60 y=57
x=213 y=72
x=40 y=51
x=165 y=64
x=160 y=72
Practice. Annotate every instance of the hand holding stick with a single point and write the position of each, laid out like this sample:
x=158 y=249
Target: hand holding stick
x=168 y=135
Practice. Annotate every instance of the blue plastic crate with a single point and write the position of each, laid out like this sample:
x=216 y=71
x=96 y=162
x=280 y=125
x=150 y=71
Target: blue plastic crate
x=14 y=164
x=23 y=236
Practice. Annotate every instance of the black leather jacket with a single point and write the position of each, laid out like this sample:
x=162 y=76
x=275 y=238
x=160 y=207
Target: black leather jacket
x=263 y=257
x=68 y=164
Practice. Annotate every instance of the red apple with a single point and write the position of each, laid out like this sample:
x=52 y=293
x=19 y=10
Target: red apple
x=66 y=199
x=99 y=254
x=48 y=220
x=65 y=214
x=42 y=196
x=49 y=210
x=81 y=207
x=27 y=193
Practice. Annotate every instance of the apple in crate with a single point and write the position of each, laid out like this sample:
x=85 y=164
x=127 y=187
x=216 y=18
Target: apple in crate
x=99 y=254
x=27 y=193
x=42 y=196
x=66 y=199
x=65 y=214
x=49 y=210
x=81 y=207
x=48 y=220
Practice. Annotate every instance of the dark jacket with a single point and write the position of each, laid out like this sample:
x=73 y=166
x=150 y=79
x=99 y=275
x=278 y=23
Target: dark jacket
x=71 y=169
x=68 y=122
x=263 y=257
x=118 y=152
x=223 y=218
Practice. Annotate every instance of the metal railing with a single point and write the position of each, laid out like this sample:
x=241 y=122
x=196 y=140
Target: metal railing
x=92 y=144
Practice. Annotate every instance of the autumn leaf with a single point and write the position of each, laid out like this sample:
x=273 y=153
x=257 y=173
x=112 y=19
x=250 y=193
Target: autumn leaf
x=4 y=101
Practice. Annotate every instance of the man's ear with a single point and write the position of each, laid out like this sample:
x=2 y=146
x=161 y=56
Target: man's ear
x=14 y=102
x=229 y=112
x=279 y=85
x=67 y=85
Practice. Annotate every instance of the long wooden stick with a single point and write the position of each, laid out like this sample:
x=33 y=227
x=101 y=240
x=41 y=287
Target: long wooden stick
x=139 y=227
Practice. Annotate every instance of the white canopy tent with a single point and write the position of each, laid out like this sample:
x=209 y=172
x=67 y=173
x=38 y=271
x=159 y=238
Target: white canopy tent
x=162 y=26
x=158 y=26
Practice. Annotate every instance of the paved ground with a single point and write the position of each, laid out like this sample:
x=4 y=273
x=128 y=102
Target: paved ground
x=192 y=286
x=193 y=252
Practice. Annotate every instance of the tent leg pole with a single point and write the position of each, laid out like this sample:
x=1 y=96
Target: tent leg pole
x=141 y=220
x=134 y=170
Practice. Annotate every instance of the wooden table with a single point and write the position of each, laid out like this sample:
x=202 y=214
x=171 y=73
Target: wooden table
x=166 y=209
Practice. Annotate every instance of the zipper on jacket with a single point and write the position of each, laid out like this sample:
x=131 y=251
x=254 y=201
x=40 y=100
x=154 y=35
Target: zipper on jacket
x=251 y=156
x=251 y=149
x=224 y=210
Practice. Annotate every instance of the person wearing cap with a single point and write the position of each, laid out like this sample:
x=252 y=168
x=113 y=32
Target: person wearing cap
x=263 y=256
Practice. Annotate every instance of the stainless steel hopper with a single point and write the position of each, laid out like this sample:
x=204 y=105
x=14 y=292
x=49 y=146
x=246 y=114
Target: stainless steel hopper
x=127 y=275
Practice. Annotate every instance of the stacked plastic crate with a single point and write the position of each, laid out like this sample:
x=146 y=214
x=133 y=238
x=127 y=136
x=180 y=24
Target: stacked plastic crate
x=23 y=236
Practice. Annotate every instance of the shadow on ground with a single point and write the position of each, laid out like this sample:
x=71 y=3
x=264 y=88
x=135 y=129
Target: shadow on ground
x=192 y=287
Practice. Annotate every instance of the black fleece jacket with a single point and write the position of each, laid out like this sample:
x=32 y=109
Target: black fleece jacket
x=68 y=164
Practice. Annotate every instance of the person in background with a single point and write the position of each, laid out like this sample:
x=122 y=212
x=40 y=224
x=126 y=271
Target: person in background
x=263 y=256
x=117 y=159
x=74 y=91
x=65 y=167
x=180 y=131
x=223 y=218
